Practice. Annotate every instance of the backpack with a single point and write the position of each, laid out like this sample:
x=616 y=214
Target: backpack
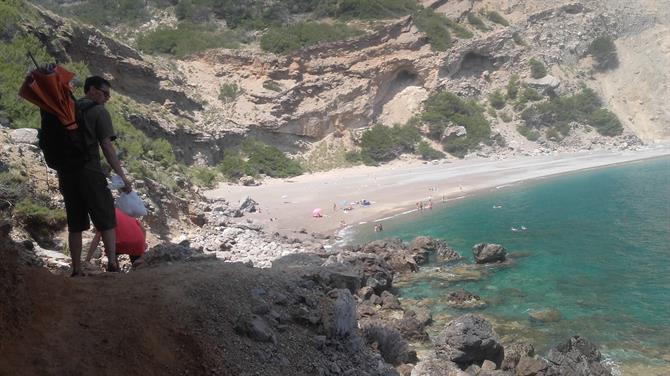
x=64 y=150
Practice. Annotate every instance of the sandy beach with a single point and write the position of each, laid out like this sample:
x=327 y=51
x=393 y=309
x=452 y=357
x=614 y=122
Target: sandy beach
x=287 y=205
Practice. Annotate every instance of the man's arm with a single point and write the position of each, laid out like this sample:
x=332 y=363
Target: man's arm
x=113 y=160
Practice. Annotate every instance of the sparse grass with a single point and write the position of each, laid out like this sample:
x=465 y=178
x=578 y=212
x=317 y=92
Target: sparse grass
x=229 y=91
x=516 y=37
x=37 y=216
x=203 y=176
x=271 y=85
x=530 y=134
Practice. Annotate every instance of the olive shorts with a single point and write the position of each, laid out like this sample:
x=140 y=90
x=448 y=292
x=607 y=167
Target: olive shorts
x=86 y=194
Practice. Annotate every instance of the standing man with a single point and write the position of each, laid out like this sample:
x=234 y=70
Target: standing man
x=85 y=189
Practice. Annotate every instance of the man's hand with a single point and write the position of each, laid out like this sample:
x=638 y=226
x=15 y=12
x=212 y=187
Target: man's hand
x=128 y=185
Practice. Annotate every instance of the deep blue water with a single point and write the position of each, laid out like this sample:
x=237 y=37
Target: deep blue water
x=597 y=249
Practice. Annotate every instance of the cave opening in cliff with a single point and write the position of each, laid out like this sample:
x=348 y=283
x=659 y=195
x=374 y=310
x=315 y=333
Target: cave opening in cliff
x=403 y=79
x=474 y=64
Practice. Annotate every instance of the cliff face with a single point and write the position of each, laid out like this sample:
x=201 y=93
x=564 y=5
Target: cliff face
x=384 y=76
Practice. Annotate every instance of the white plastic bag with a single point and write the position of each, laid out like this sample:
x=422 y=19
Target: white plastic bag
x=131 y=204
x=117 y=182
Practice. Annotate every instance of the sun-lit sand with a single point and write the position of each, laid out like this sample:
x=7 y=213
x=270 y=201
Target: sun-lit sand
x=288 y=204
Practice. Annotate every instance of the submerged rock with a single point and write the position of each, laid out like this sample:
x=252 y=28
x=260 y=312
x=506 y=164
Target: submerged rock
x=464 y=299
x=545 y=316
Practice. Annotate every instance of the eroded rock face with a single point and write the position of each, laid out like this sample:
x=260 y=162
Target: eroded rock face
x=423 y=246
x=489 y=253
x=579 y=357
x=469 y=339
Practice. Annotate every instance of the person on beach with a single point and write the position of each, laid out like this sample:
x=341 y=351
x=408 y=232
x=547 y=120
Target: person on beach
x=84 y=189
x=130 y=238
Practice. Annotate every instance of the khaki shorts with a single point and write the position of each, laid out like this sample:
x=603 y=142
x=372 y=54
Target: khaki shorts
x=86 y=194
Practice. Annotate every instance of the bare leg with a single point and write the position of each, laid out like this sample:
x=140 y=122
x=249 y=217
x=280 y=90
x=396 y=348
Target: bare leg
x=94 y=245
x=109 y=239
x=74 y=242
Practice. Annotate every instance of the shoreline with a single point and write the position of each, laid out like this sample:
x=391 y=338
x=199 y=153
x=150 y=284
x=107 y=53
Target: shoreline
x=286 y=205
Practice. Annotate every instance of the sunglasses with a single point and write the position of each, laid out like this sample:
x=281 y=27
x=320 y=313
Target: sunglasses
x=106 y=93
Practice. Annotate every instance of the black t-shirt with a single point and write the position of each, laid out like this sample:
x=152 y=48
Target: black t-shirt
x=98 y=127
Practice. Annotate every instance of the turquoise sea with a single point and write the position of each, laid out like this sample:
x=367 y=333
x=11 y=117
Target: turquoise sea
x=596 y=247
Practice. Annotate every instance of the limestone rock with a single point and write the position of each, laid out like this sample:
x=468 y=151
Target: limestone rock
x=489 y=253
x=578 y=357
x=469 y=339
x=24 y=136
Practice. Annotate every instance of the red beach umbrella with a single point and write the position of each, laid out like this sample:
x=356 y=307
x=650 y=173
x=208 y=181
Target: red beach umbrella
x=50 y=90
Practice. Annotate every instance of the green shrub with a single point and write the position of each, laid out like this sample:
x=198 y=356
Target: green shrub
x=537 y=69
x=506 y=117
x=476 y=22
x=268 y=160
x=513 y=86
x=530 y=94
x=605 y=122
x=435 y=26
x=186 y=39
x=427 y=153
x=383 y=144
x=583 y=107
x=290 y=38
x=228 y=92
x=38 y=216
x=553 y=135
x=530 y=134
x=459 y=30
x=496 y=17
x=271 y=85
x=604 y=52
x=371 y=9
x=203 y=176
x=497 y=99
x=232 y=166
x=516 y=37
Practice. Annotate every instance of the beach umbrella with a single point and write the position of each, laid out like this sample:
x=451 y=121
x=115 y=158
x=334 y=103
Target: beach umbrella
x=49 y=89
x=316 y=213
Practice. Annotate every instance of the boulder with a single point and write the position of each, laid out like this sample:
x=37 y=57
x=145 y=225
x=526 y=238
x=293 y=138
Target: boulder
x=514 y=352
x=248 y=181
x=339 y=314
x=467 y=340
x=529 y=366
x=390 y=301
x=24 y=136
x=169 y=252
x=394 y=252
x=255 y=328
x=489 y=253
x=247 y=205
x=422 y=246
x=545 y=84
x=545 y=315
x=577 y=357
x=437 y=367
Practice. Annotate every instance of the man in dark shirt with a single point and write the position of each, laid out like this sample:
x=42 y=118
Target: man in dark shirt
x=85 y=190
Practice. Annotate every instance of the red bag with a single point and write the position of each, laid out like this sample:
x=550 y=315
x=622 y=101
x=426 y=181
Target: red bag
x=129 y=235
